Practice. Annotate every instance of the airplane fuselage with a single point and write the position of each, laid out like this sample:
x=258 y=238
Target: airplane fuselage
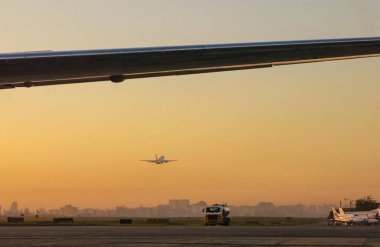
x=161 y=161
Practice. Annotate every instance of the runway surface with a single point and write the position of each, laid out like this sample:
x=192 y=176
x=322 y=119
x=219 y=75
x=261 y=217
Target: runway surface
x=315 y=235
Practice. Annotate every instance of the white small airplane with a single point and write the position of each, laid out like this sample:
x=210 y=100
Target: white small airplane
x=371 y=216
x=348 y=219
x=159 y=161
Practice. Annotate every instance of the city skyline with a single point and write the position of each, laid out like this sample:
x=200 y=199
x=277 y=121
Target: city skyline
x=173 y=208
x=16 y=206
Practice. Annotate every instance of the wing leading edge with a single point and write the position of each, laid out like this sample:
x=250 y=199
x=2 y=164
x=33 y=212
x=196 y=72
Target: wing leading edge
x=66 y=67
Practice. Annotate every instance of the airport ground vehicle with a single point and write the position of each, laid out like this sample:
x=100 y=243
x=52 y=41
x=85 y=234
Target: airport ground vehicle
x=217 y=214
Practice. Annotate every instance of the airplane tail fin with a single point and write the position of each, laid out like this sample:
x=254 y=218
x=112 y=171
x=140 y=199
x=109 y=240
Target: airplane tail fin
x=156 y=157
x=335 y=213
x=341 y=211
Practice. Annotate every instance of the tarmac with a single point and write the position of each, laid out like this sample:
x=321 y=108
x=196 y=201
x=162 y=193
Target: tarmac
x=172 y=236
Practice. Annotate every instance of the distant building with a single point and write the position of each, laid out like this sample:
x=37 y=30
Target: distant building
x=27 y=212
x=265 y=209
x=179 y=207
x=121 y=211
x=162 y=210
x=69 y=210
x=179 y=204
x=13 y=207
x=196 y=209
x=41 y=211
x=242 y=211
x=53 y=212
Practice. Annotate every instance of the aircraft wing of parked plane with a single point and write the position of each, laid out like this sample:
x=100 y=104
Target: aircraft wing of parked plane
x=44 y=68
x=372 y=216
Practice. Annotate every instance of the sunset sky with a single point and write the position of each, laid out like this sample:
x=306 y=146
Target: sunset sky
x=292 y=134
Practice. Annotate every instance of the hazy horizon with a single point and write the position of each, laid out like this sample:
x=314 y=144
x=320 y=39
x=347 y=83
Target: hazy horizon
x=303 y=133
x=22 y=206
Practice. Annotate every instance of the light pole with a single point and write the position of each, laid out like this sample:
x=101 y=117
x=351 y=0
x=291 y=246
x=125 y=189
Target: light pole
x=351 y=202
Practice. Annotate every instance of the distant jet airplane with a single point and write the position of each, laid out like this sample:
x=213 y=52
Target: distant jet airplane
x=159 y=161
x=43 y=68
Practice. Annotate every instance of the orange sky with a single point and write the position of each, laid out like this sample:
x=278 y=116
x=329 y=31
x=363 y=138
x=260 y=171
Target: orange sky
x=292 y=134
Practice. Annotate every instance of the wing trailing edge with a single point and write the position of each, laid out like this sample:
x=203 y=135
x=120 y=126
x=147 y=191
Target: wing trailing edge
x=46 y=68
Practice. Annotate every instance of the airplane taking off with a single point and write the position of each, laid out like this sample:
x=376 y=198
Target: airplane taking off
x=159 y=161
x=29 y=69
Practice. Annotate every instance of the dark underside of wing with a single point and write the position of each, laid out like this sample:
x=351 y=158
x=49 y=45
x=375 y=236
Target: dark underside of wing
x=55 y=68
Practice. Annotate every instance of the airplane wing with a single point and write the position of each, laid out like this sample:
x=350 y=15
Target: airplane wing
x=171 y=160
x=152 y=161
x=45 y=68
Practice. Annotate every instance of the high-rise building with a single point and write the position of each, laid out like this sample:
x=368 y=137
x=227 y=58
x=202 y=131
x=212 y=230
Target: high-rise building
x=14 y=207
